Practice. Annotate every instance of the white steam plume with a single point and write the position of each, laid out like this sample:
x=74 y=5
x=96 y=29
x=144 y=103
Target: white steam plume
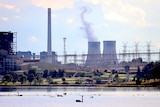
x=87 y=26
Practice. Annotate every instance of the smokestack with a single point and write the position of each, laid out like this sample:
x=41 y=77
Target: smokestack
x=109 y=52
x=93 y=57
x=49 y=48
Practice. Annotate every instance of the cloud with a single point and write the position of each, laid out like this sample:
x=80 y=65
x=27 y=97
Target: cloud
x=9 y=7
x=92 y=1
x=54 y=4
x=4 y=18
x=158 y=45
x=137 y=38
x=54 y=15
x=70 y=21
x=33 y=39
x=122 y=12
x=16 y=17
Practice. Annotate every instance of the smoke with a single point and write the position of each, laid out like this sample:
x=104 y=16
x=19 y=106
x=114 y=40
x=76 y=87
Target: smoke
x=87 y=26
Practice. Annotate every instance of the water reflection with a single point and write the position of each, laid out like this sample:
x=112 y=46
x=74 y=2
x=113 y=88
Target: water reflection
x=75 y=89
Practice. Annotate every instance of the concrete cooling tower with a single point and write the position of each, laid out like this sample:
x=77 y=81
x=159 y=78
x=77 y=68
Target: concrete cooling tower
x=109 y=52
x=94 y=56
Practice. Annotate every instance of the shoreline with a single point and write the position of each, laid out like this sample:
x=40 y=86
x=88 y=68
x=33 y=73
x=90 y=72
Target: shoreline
x=83 y=85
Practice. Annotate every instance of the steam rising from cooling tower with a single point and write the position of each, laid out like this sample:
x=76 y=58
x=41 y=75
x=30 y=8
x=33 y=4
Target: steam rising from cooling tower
x=93 y=56
x=87 y=26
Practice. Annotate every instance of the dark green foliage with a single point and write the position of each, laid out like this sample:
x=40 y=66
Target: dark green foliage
x=53 y=74
x=82 y=74
x=22 y=78
x=65 y=83
x=32 y=71
x=98 y=73
x=10 y=77
x=98 y=80
x=54 y=82
x=39 y=78
x=156 y=71
x=138 y=81
x=77 y=82
x=7 y=78
x=61 y=73
x=146 y=71
x=63 y=79
x=49 y=79
x=15 y=77
x=45 y=73
x=30 y=77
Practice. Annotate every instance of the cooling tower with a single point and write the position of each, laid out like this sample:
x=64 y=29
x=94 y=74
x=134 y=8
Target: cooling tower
x=94 y=56
x=109 y=52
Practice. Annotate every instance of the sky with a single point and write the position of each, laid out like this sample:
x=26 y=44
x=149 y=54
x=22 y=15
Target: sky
x=127 y=22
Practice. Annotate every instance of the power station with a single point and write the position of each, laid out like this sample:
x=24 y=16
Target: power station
x=96 y=59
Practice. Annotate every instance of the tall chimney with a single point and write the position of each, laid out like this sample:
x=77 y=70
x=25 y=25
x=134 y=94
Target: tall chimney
x=49 y=47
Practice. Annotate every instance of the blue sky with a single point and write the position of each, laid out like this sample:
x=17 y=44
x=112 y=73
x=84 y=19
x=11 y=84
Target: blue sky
x=126 y=21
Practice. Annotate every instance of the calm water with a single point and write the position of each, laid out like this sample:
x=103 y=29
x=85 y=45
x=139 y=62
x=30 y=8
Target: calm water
x=93 y=97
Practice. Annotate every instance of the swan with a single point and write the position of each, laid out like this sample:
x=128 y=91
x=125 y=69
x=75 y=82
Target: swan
x=19 y=94
x=80 y=100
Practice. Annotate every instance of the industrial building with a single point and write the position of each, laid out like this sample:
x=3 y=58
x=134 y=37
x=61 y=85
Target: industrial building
x=44 y=58
x=24 y=55
x=8 y=58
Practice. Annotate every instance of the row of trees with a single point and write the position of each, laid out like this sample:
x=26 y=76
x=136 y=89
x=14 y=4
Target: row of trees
x=32 y=75
x=150 y=71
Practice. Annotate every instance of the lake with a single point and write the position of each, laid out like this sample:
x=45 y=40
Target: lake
x=67 y=96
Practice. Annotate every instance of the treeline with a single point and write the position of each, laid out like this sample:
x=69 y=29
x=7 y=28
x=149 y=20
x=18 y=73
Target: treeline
x=149 y=71
x=33 y=76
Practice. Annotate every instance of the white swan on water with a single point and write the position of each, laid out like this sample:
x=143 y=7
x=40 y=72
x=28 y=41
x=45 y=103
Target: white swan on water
x=80 y=100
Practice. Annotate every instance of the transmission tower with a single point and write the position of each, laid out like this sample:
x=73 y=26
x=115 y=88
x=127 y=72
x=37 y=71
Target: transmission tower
x=65 y=57
x=149 y=51
x=136 y=49
x=124 y=51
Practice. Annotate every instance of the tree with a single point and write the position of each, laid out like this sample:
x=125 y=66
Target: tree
x=98 y=80
x=61 y=73
x=39 y=78
x=15 y=77
x=53 y=74
x=64 y=81
x=30 y=77
x=49 y=79
x=82 y=74
x=22 y=78
x=45 y=73
x=32 y=71
x=7 y=78
x=156 y=71
x=147 y=73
